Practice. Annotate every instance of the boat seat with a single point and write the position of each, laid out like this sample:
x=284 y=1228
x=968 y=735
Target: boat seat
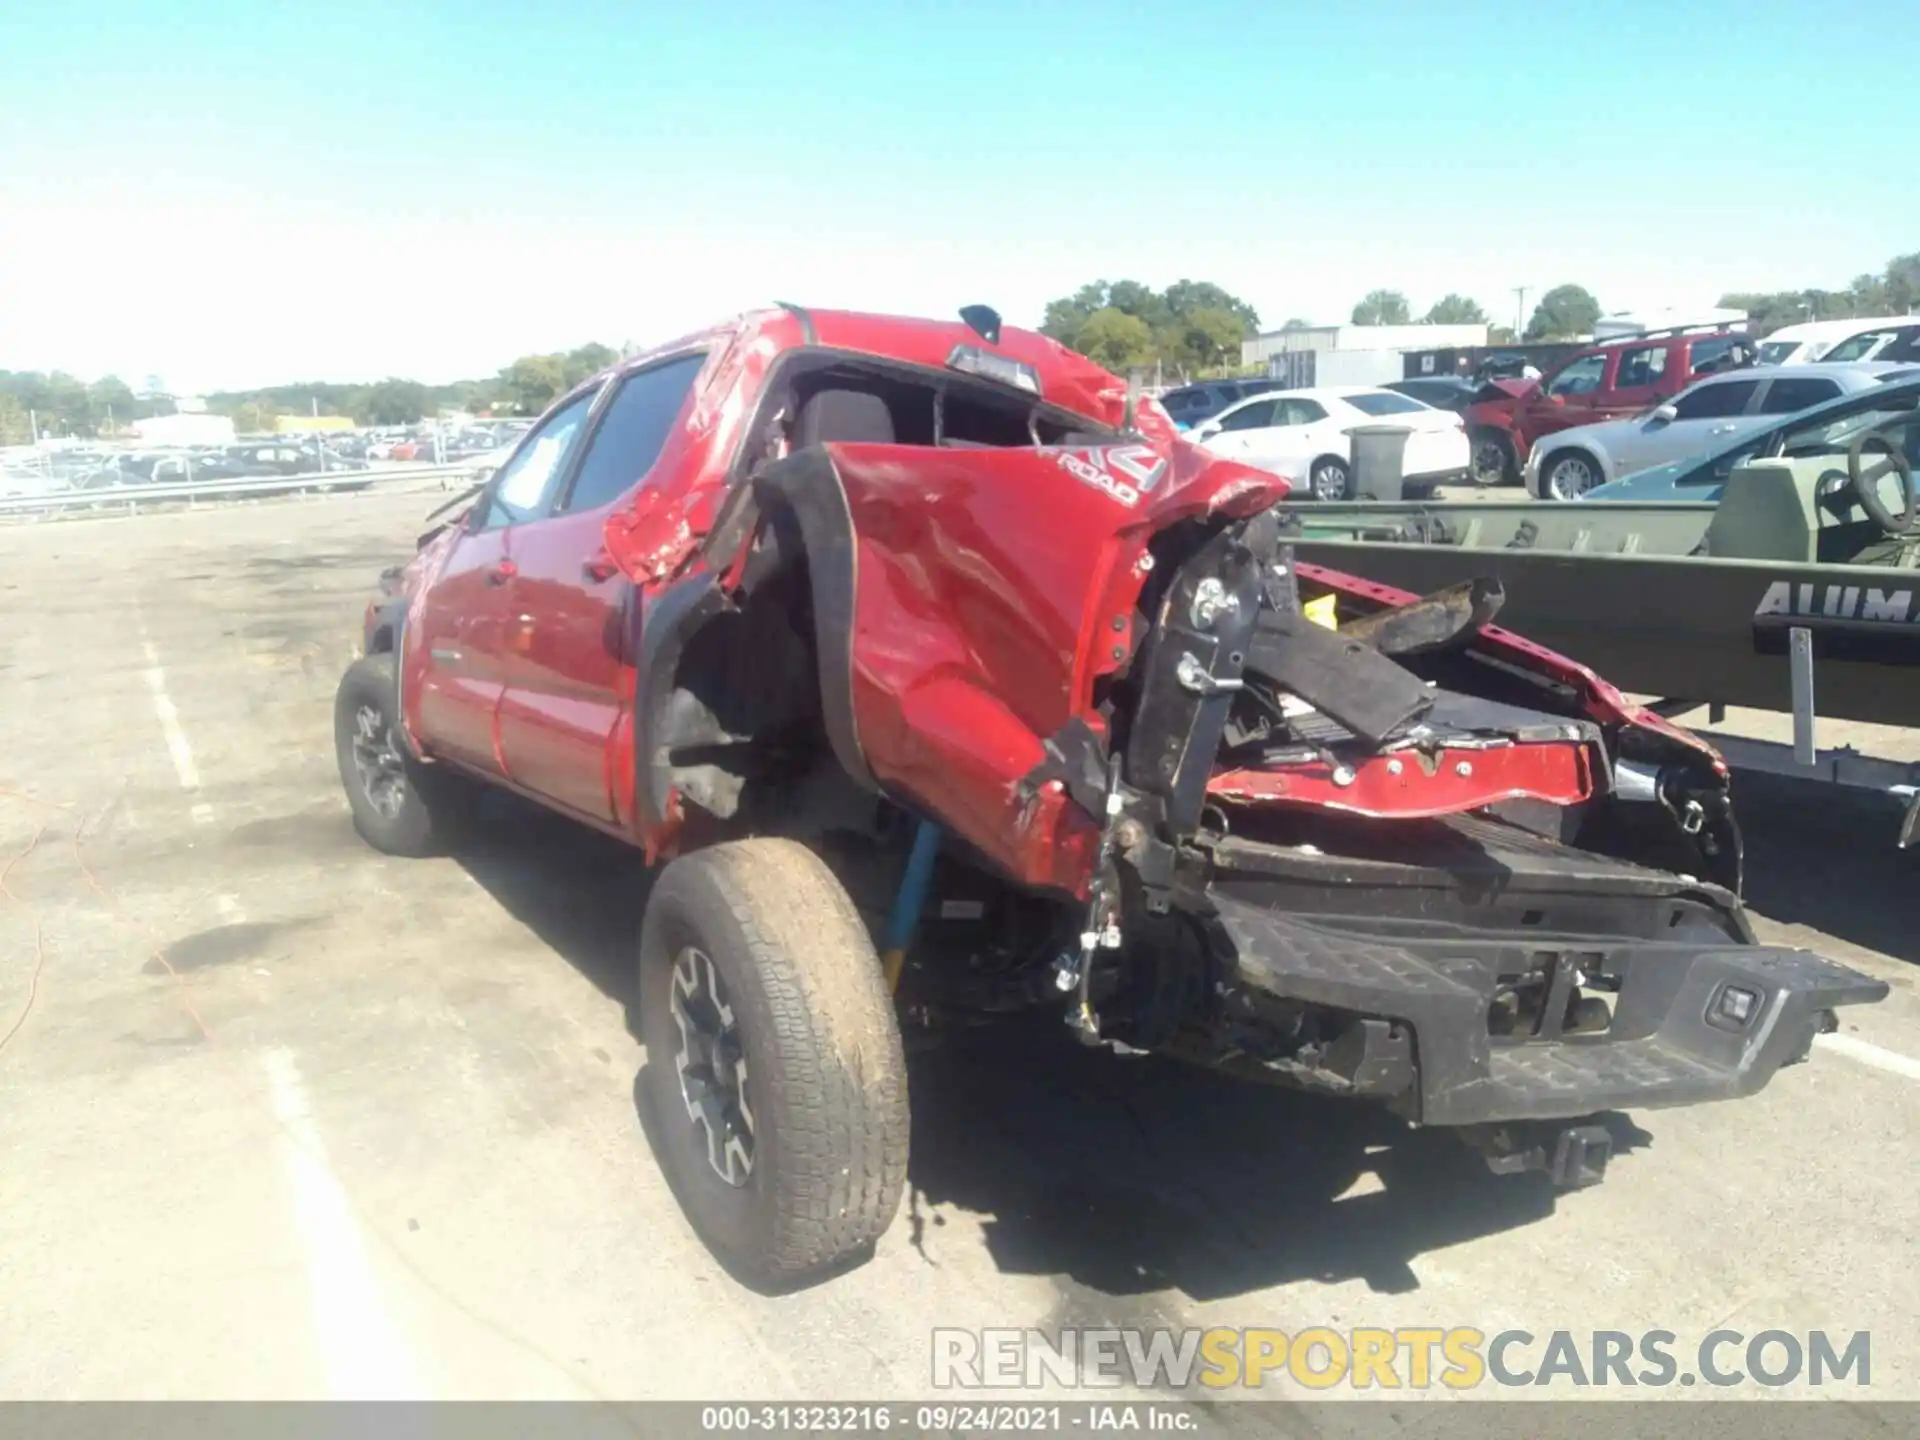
x=1767 y=512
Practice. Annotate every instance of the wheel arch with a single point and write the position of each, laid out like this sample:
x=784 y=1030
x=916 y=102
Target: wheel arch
x=789 y=525
x=1560 y=452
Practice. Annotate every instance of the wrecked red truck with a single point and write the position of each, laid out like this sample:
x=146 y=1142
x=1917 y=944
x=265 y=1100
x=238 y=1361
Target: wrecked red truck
x=947 y=680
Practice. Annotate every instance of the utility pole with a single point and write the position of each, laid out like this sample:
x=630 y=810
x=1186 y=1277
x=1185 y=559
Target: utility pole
x=1519 y=311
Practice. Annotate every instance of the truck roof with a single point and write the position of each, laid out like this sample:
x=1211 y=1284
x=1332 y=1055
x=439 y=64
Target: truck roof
x=1067 y=379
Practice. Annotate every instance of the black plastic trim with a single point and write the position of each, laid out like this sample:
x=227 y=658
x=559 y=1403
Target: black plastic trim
x=673 y=617
x=809 y=488
x=808 y=333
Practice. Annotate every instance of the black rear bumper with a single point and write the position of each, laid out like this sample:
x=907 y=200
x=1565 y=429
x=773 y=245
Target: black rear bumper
x=1696 y=1013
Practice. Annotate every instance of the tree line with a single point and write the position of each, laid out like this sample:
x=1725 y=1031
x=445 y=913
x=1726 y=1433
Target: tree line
x=1194 y=328
x=1894 y=291
x=56 y=403
x=1564 y=312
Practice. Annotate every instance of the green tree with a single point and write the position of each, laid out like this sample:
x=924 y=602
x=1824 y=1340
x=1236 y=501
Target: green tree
x=1188 y=298
x=1193 y=324
x=1383 y=307
x=1296 y=323
x=533 y=381
x=1065 y=317
x=589 y=359
x=1903 y=283
x=1563 y=313
x=1452 y=309
x=255 y=417
x=394 y=402
x=1501 y=335
x=113 y=404
x=14 y=428
x=1202 y=340
x=1115 y=339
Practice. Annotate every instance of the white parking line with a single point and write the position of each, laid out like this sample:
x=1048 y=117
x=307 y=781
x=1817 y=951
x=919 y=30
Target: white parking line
x=176 y=737
x=1891 y=1061
x=163 y=707
x=365 y=1356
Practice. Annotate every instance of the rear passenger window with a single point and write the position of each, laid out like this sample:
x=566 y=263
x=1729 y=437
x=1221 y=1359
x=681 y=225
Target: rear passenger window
x=1707 y=354
x=1711 y=402
x=1641 y=366
x=632 y=433
x=1784 y=397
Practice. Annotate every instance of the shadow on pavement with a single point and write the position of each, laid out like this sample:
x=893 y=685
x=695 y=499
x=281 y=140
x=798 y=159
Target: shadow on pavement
x=1115 y=1177
x=1127 y=1177
x=1826 y=859
x=580 y=891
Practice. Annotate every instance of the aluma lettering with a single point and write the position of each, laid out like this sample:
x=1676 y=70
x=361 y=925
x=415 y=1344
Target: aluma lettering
x=1835 y=602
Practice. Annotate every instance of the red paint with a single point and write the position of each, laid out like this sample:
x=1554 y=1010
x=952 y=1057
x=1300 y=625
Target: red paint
x=988 y=587
x=1556 y=773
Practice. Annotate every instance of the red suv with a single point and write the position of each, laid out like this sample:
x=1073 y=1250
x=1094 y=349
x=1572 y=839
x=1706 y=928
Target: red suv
x=956 y=683
x=1606 y=382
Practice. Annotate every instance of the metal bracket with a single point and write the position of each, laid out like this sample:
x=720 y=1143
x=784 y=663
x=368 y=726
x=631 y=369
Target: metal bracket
x=1800 y=665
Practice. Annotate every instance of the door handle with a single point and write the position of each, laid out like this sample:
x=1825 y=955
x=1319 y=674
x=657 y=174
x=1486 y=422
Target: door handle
x=599 y=569
x=503 y=572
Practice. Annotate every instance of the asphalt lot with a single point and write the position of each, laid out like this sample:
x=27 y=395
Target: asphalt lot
x=285 y=1118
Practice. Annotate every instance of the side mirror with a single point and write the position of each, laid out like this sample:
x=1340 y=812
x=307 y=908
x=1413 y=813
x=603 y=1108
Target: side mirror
x=1665 y=414
x=1206 y=431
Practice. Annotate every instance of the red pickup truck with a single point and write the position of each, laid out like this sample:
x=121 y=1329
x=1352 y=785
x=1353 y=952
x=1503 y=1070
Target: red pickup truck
x=1607 y=382
x=950 y=681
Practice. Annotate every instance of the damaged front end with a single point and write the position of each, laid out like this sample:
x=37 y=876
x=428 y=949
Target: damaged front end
x=1367 y=844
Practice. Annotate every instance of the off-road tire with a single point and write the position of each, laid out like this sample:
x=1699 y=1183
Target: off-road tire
x=433 y=803
x=826 y=1076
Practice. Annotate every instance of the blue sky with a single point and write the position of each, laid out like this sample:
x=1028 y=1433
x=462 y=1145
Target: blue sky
x=230 y=194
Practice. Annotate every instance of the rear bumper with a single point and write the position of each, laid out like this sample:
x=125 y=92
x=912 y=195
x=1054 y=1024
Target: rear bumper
x=1663 y=1047
x=1630 y=979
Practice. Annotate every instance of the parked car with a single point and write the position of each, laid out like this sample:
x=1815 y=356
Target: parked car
x=1601 y=382
x=1568 y=463
x=1027 y=709
x=1889 y=410
x=1191 y=405
x=1814 y=339
x=1303 y=435
x=1443 y=392
x=1893 y=344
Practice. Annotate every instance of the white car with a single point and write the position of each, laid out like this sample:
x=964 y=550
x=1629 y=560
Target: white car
x=1817 y=339
x=1304 y=435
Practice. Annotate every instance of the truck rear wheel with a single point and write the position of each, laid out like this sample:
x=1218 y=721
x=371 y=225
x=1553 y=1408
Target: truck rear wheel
x=400 y=807
x=775 y=1088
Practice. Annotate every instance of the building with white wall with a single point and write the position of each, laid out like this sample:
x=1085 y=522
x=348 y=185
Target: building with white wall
x=186 y=429
x=1395 y=338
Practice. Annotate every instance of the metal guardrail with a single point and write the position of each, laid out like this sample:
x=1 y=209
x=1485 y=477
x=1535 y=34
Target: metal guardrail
x=131 y=497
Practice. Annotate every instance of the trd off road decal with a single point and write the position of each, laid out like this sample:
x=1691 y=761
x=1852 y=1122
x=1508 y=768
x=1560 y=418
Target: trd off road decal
x=1126 y=472
x=1849 y=622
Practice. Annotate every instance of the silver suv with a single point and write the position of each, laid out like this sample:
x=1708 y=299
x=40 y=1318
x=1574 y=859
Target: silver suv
x=1705 y=416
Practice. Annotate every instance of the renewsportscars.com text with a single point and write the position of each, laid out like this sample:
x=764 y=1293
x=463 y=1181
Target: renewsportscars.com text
x=1408 y=1358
